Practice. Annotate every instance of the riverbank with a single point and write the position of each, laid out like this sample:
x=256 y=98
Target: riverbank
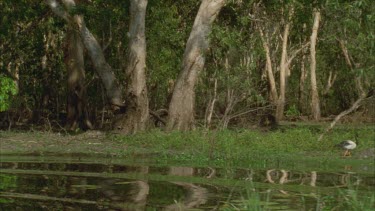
x=286 y=147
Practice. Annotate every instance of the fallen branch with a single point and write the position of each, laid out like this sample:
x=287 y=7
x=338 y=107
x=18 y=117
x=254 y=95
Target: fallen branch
x=154 y=114
x=249 y=111
x=355 y=106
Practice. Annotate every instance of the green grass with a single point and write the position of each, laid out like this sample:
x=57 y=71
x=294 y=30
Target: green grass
x=290 y=147
x=242 y=148
x=348 y=199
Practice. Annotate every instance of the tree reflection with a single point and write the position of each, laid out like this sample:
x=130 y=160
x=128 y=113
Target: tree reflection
x=195 y=196
x=124 y=187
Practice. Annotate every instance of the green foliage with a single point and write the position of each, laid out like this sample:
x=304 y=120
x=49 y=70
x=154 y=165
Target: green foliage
x=7 y=90
x=350 y=199
x=166 y=34
x=7 y=182
x=353 y=23
x=235 y=59
x=292 y=111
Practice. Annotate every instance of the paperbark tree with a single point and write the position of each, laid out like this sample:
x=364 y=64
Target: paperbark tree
x=315 y=107
x=278 y=100
x=137 y=113
x=270 y=74
x=283 y=68
x=181 y=108
x=104 y=70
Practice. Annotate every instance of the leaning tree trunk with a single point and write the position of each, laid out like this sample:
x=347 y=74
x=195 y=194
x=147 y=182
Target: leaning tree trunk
x=181 y=107
x=270 y=75
x=137 y=102
x=76 y=97
x=315 y=107
x=104 y=70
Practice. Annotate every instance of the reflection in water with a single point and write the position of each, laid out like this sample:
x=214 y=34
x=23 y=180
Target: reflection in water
x=55 y=185
x=195 y=195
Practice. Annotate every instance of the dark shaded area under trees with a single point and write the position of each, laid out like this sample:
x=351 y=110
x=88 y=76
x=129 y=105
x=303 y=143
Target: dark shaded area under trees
x=245 y=72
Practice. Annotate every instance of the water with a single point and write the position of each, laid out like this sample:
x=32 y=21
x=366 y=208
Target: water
x=58 y=183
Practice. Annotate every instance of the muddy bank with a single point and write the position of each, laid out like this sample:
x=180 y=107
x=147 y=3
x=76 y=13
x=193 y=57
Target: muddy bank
x=89 y=143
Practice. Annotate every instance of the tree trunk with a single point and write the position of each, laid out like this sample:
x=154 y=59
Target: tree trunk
x=283 y=68
x=302 y=80
x=315 y=107
x=104 y=70
x=271 y=78
x=76 y=97
x=137 y=102
x=181 y=108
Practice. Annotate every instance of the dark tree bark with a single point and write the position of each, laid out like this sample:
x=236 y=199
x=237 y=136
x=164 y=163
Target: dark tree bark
x=77 y=115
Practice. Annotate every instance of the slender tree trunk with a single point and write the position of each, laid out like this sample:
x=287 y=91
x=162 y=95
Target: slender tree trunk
x=136 y=93
x=283 y=68
x=210 y=107
x=315 y=107
x=330 y=81
x=271 y=78
x=76 y=99
x=302 y=81
x=104 y=70
x=181 y=108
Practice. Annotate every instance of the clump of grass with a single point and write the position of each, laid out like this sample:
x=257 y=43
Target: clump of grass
x=350 y=199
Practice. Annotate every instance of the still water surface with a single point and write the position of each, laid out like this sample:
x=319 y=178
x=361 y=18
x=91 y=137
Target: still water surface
x=31 y=183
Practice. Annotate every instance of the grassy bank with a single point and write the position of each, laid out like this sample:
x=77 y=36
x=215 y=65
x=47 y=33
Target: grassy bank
x=286 y=147
x=241 y=147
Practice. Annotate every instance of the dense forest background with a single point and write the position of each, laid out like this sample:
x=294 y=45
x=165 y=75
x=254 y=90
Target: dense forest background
x=260 y=58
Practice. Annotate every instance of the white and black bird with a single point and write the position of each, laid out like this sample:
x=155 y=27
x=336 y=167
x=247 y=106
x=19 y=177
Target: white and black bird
x=348 y=145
